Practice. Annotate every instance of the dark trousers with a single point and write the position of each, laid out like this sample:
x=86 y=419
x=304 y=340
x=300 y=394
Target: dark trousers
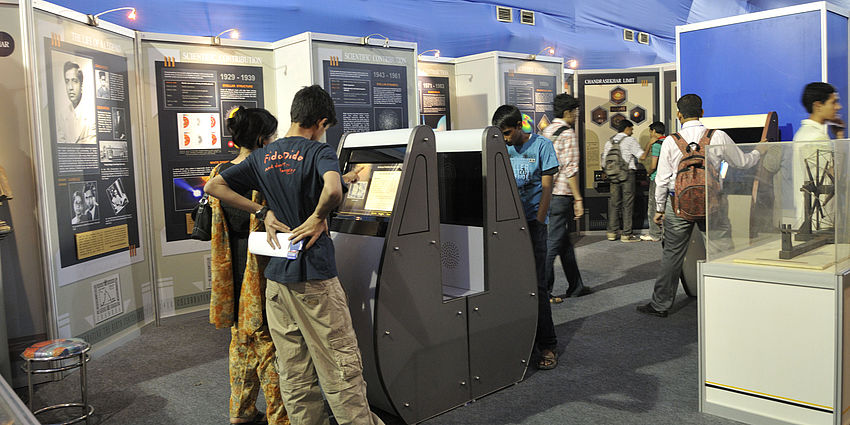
x=561 y=223
x=622 y=200
x=546 y=339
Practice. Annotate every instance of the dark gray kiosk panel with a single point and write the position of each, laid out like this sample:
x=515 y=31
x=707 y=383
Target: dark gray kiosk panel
x=481 y=214
x=431 y=249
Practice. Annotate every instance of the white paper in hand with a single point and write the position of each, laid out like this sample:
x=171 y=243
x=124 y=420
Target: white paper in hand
x=258 y=245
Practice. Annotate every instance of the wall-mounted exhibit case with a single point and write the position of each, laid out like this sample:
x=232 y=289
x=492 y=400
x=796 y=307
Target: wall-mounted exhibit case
x=773 y=292
x=437 y=92
x=372 y=80
x=442 y=302
x=608 y=97
x=745 y=80
x=488 y=80
x=190 y=88
x=92 y=194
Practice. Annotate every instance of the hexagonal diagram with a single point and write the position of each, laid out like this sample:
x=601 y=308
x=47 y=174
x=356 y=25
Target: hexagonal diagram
x=599 y=115
x=616 y=119
x=618 y=95
x=637 y=114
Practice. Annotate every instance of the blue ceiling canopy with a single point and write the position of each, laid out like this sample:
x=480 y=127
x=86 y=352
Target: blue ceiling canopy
x=589 y=31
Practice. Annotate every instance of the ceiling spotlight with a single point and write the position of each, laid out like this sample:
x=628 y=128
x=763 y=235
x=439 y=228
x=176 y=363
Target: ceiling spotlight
x=93 y=21
x=572 y=63
x=436 y=52
x=234 y=33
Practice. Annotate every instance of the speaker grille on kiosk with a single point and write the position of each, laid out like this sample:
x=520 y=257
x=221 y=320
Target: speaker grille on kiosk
x=643 y=38
x=449 y=255
x=504 y=14
x=628 y=35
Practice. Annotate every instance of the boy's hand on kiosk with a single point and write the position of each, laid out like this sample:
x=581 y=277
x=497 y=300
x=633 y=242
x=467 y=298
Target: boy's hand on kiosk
x=659 y=218
x=311 y=228
x=354 y=175
x=272 y=227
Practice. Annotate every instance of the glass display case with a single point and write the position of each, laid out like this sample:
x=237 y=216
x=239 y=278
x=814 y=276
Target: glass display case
x=787 y=211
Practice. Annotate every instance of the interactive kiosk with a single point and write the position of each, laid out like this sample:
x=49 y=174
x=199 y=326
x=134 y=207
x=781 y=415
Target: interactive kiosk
x=442 y=298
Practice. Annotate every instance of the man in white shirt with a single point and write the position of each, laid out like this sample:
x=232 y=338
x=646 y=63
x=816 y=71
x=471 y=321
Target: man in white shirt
x=621 y=199
x=822 y=103
x=677 y=231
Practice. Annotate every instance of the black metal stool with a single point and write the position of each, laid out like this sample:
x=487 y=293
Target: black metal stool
x=58 y=350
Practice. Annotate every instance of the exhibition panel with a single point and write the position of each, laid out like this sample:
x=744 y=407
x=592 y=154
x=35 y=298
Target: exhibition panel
x=91 y=184
x=372 y=80
x=437 y=92
x=794 y=260
x=190 y=89
x=488 y=80
x=607 y=98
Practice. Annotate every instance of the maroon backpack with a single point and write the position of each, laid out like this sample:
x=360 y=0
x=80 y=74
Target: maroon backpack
x=689 y=201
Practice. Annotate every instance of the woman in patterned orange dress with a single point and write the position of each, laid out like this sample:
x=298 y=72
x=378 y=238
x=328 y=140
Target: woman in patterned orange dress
x=238 y=286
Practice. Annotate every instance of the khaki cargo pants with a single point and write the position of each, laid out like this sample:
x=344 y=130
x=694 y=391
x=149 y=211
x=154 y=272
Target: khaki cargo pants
x=315 y=341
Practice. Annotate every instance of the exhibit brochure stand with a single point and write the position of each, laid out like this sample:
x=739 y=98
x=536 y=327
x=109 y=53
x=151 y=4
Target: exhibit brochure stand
x=773 y=294
x=443 y=304
x=488 y=80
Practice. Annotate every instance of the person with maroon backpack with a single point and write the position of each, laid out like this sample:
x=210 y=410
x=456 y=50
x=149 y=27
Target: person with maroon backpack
x=682 y=169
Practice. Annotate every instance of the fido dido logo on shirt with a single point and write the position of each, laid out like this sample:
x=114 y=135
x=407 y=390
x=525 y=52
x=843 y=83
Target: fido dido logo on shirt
x=279 y=160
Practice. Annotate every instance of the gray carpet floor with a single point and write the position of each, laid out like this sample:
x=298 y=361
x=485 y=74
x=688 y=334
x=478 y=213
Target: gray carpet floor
x=616 y=366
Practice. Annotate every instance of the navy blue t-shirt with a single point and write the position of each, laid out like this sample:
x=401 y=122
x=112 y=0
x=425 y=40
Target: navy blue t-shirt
x=289 y=172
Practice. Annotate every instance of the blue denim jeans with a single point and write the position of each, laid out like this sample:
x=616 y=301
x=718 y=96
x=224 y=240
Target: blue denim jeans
x=546 y=338
x=561 y=223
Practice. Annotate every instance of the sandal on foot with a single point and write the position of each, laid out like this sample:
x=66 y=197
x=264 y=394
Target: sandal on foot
x=548 y=360
x=555 y=300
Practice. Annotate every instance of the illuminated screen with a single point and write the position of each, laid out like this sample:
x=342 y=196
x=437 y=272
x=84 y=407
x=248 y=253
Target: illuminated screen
x=373 y=194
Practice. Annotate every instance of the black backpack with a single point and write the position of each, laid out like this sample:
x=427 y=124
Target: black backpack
x=615 y=167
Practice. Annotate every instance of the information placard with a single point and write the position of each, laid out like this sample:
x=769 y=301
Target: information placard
x=367 y=97
x=194 y=101
x=92 y=152
x=434 y=105
x=608 y=99
x=533 y=95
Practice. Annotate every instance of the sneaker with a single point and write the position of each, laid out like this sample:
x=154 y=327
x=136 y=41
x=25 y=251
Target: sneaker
x=629 y=238
x=611 y=236
x=649 y=238
x=647 y=309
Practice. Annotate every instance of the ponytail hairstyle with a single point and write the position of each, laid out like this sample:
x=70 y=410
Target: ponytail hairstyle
x=250 y=126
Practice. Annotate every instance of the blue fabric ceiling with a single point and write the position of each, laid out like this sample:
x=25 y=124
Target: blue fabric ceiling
x=590 y=31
